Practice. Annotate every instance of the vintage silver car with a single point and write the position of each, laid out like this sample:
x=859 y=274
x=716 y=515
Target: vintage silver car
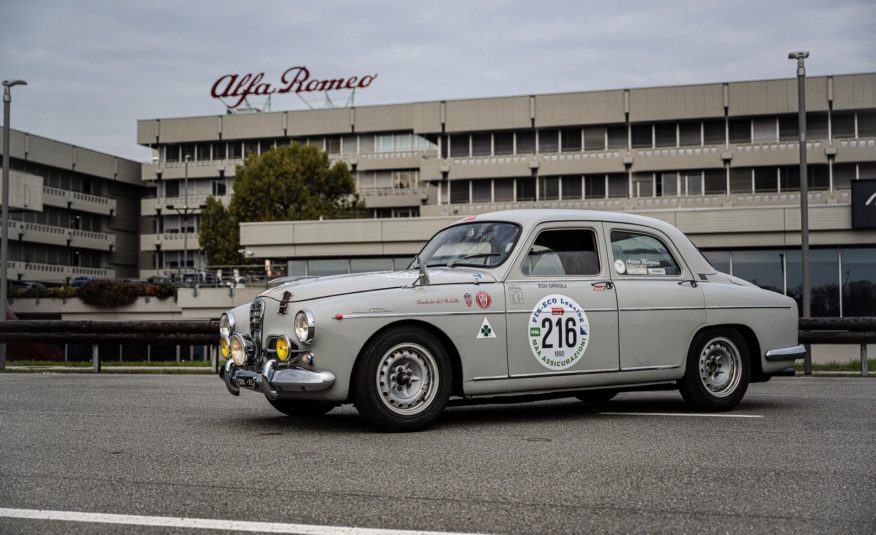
x=523 y=302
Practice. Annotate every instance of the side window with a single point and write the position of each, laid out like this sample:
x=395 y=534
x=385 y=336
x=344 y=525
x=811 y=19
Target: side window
x=640 y=254
x=562 y=252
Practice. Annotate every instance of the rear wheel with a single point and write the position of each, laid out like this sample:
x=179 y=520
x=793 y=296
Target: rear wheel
x=404 y=380
x=301 y=407
x=717 y=372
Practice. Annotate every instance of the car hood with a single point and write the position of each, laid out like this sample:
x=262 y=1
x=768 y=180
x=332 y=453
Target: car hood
x=322 y=287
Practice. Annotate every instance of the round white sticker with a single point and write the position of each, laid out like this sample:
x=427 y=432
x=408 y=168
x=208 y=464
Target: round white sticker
x=558 y=332
x=619 y=266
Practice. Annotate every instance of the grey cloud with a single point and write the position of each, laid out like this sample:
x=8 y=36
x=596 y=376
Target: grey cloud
x=95 y=67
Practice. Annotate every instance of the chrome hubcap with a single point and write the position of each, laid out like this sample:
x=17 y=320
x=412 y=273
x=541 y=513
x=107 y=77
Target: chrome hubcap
x=407 y=379
x=720 y=366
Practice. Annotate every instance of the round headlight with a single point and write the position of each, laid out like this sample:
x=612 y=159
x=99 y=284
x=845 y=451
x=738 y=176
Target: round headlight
x=225 y=347
x=282 y=348
x=304 y=326
x=226 y=325
x=238 y=350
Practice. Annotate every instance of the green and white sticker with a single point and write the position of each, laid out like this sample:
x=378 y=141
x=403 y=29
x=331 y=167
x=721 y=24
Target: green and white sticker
x=558 y=332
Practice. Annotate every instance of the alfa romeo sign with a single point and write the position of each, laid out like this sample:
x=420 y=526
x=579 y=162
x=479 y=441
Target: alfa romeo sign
x=237 y=88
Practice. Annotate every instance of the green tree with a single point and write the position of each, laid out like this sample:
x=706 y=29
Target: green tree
x=289 y=183
x=219 y=235
x=293 y=183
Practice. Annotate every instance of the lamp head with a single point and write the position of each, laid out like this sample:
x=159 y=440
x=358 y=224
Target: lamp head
x=802 y=54
x=11 y=83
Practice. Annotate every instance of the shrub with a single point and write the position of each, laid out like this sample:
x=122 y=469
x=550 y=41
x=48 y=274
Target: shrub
x=106 y=293
x=165 y=290
x=63 y=292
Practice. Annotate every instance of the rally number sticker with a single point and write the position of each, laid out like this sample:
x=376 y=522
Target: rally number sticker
x=558 y=332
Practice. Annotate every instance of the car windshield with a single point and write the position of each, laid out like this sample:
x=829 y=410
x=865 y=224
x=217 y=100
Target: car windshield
x=472 y=244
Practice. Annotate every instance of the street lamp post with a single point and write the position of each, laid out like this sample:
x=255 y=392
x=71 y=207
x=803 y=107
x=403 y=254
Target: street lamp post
x=804 y=177
x=801 y=56
x=4 y=240
x=184 y=212
x=186 y=219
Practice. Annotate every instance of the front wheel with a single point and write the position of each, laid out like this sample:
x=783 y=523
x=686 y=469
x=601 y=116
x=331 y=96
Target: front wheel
x=300 y=407
x=717 y=372
x=404 y=380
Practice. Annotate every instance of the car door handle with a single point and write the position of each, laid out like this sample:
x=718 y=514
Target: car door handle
x=608 y=285
x=693 y=283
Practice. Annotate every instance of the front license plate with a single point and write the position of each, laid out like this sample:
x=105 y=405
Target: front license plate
x=247 y=382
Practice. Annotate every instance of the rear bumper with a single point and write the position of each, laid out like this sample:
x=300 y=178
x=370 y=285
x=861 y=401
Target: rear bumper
x=272 y=382
x=786 y=353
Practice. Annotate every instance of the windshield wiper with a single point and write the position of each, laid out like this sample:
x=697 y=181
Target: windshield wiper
x=466 y=257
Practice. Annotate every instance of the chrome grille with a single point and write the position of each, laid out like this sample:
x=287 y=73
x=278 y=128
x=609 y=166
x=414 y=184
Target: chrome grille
x=256 y=317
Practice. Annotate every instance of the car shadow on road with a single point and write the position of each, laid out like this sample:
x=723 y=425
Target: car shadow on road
x=345 y=419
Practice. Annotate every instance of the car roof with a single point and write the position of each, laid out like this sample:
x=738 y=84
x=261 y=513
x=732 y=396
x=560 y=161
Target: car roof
x=529 y=218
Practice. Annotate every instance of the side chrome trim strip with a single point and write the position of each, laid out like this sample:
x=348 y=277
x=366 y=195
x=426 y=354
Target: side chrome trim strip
x=415 y=314
x=588 y=310
x=787 y=353
x=645 y=309
x=543 y=374
x=718 y=307
x=643 y=368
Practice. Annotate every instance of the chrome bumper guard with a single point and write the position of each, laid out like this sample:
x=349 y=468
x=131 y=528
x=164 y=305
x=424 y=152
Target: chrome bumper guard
x=786 y=353
x=271 y=382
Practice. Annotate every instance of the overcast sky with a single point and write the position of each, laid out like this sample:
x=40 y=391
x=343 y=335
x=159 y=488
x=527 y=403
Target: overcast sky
x=95 y=67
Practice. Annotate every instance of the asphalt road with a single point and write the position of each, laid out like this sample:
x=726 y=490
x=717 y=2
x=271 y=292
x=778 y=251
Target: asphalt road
x=180 y=446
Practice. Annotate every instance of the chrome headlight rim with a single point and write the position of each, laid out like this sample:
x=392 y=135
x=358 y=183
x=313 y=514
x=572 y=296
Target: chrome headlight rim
x=304 y=326
x=226 y=324
x=240 y=349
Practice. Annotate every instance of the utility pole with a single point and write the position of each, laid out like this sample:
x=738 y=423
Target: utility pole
x=4 y=240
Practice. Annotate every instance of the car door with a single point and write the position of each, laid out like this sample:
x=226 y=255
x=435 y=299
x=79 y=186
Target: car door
x=561 y=306
x=660 y=304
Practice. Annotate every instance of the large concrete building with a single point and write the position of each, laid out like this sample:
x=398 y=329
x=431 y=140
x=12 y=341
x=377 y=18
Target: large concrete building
x=74 y=211
x=720 y=161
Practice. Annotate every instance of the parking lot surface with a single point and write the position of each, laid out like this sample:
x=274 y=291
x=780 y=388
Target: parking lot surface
x=798 y=455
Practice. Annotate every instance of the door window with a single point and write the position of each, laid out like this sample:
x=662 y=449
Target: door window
x=562 y=252
x=641 y=254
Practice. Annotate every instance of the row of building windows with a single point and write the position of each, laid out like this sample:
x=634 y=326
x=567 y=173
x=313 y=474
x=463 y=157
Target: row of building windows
x=352 y=144
x=838 y=125
x=53 y=254
x=744 y=180
x=842 y=280
x=54 y=177
x=60 y=217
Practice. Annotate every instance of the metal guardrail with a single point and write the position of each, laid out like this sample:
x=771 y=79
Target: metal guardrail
x=203 y=332
x=861 y=331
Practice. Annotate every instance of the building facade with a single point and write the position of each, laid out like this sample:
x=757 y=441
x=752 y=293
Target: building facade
x=718 y=160
x=78 y=214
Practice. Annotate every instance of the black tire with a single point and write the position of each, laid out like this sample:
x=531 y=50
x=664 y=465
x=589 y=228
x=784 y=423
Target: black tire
x=301 y=407
x=717 y=372
x=596 y=396
x=403 y=381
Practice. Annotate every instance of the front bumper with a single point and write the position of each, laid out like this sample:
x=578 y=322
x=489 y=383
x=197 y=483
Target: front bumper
x=272 y=382
x=786 y=353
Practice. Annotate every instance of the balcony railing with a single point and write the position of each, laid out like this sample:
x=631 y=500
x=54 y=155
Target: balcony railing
x=50 y=234
x=53 y=272
x=79 y=201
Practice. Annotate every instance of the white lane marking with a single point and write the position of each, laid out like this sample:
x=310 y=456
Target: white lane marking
x=204 y=523
x=683 y=414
